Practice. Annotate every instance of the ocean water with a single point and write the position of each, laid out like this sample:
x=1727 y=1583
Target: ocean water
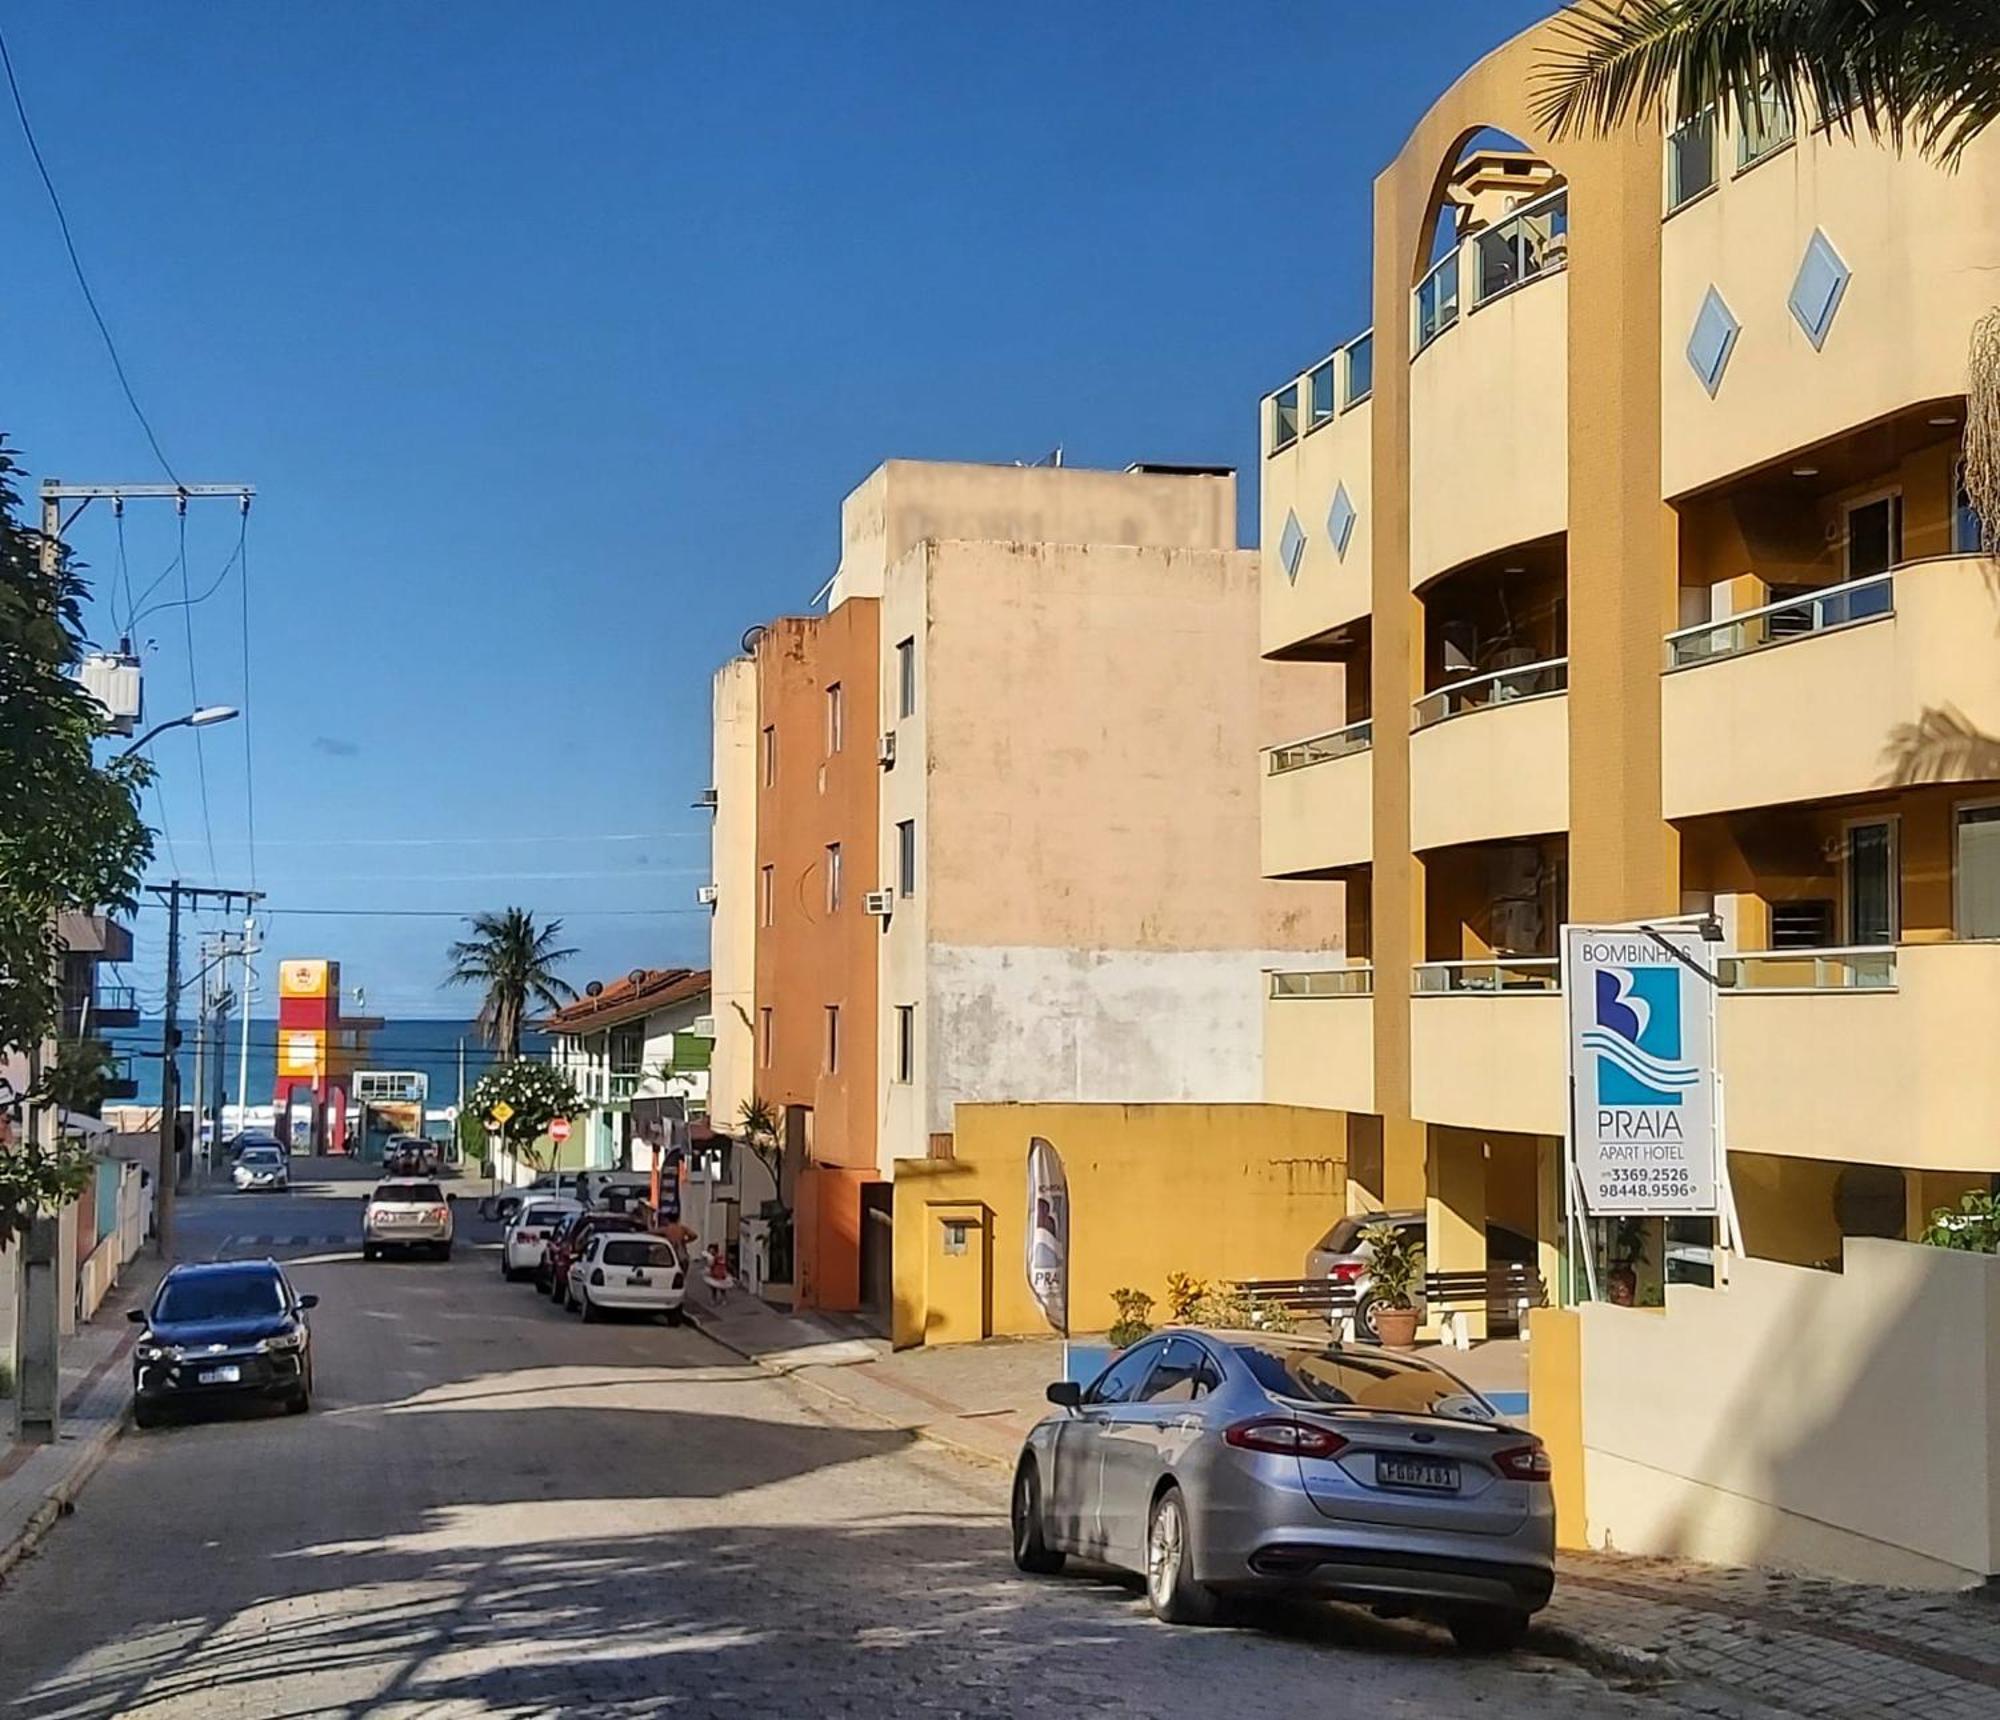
x=401 y=1043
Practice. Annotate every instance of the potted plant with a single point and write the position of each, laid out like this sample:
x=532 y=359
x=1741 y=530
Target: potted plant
x=1628 y=1249
x=1395 y=1274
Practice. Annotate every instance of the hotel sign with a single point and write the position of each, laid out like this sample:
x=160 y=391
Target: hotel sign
x=1641 y=1041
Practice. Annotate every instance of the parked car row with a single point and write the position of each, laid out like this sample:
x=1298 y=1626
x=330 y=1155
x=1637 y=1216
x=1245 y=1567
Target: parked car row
x=594 y=1261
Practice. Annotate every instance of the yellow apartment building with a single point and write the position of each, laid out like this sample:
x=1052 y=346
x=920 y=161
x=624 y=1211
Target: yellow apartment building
x=1634 y=526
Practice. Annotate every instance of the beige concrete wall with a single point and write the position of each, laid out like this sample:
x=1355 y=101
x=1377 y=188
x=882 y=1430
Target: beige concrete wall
x=1905 y=1077
x=1840 y=1422
x=1320 y=1051
x=1489 y=440
x=904 y=502
x=905 y=794
x=1924 y=247
x=1318 y=816
x=1499 y=772
x=1330 y=590
x=1489 y=1061
x=732 y=930
x=1094 y=715
x=1094 y=926
x=1825 y=709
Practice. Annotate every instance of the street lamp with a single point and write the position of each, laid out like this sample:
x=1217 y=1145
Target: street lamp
x=201 y=719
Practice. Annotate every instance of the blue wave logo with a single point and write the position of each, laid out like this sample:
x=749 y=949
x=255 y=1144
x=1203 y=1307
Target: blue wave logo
x=1637 y=1037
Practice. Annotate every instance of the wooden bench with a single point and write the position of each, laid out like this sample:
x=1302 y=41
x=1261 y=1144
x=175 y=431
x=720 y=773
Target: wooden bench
x=1508 y=1290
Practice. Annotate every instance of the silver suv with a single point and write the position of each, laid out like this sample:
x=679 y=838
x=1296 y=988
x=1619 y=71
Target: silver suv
x=407 y=1213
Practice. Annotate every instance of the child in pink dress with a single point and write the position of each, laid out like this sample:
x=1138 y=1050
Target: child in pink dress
x=715 y=1274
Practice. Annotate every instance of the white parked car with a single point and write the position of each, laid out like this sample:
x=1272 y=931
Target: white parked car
x=407 y=1213
x=620 y=1271
x=262 y=1166
x=528 y=1232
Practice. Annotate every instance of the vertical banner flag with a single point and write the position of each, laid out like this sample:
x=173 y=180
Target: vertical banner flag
x=1048 y=1232
x=1642 y=1071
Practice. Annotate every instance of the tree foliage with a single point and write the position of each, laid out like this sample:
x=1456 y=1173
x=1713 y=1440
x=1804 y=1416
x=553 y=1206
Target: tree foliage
x=1922 y=72
x=70 y=832
x=539 y=1093
x=758 y=1121
x=70 y=836
x=516 y=961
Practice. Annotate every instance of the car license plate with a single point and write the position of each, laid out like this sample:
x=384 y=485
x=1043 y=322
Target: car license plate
x=1426 y=1474
x=227 y=1375
x=637 y=1278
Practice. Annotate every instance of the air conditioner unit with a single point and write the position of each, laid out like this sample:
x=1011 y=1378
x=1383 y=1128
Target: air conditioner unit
x=703 y=1027
x=881 y=903
x=885 y=753
x=707 y=895
x=706 y=798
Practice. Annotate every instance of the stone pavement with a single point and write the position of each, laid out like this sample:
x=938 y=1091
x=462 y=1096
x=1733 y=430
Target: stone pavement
x=1723 y=1640
x=39 y=1483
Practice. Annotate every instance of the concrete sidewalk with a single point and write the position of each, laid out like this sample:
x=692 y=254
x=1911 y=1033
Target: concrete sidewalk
x=39 y=1483
x=1725 y=1640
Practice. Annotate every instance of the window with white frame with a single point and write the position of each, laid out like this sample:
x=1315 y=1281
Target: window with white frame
x=767 y=896
x=906 y=857
x=836 y=718
x=906 y=677
x=906 y=1042
x=833 y=878
x=833 y=1039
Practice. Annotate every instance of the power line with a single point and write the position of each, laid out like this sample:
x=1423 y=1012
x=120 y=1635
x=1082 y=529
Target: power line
x=476 y=840
x=467 y=913
x=249 y=762
x=194 y=692
x=76 y=263
x=214 y=585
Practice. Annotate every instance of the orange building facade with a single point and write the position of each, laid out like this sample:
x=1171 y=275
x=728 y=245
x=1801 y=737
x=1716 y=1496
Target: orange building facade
x=815 y=997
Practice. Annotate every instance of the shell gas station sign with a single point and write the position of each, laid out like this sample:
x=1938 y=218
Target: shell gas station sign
x=302 y=979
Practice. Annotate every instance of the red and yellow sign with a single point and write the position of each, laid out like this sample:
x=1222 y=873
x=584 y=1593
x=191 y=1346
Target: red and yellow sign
x=302 y=979
x=302 y=1053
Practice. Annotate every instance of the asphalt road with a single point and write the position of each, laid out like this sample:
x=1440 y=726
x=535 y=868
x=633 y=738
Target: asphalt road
x=494 y=1509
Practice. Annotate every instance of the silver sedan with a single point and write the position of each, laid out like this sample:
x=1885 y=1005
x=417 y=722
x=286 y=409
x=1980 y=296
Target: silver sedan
x=1220 y=1463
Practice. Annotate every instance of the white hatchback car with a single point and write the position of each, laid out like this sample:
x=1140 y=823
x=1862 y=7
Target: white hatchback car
x=528 y=1233
x=620 y=1271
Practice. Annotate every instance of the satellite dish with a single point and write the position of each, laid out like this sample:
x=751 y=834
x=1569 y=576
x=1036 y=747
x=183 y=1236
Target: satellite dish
x=594 y=988
x=752 y=638
x=636 y=978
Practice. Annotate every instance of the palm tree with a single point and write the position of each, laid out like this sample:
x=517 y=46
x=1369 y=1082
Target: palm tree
x=516 y=961
x=1925 y=72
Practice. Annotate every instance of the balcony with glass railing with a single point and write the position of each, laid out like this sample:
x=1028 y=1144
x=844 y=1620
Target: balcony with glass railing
x=1831 y=692
x=1319 y=1038
x=1489 y=757
x=1318 y=805
x=1486 y=1047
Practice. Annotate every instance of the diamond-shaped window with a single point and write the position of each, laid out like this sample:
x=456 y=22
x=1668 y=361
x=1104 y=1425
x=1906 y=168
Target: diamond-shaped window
x=1712 y=341
x=1291 y=545
x=1817 y=289
x=1340 y=520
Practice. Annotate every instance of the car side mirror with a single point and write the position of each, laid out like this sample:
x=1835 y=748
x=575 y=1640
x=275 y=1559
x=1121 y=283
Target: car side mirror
x=308 y=1302
x=451 y=1197
x=136 y=1315
x=1065 y=1393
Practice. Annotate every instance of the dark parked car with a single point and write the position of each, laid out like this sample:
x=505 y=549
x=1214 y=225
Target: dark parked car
x=552 y=1276
x=235 y=1329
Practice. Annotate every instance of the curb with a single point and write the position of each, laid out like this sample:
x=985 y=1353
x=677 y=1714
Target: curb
x=1602 y=1656
x=967 y=1453
x=61 y=1498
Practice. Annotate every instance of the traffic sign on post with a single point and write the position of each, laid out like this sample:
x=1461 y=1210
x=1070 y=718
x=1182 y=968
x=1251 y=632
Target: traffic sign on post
x=500 y=1113
x=559 y=1130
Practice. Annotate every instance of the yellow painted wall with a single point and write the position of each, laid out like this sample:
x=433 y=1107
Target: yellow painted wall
x=1221 y=1191
x=1555 y=1412
x=1320 y=1051
x=1491 y=773
x=1316 y=817
x=1786 y=1206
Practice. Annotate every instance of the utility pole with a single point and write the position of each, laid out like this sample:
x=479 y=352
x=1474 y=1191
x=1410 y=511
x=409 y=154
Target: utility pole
x=250 y=948
x=173 y=895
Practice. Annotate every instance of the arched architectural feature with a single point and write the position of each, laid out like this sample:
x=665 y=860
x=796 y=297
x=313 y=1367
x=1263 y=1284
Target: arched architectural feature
x=1619 y=536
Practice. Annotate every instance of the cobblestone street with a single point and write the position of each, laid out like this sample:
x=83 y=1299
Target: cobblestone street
x=497 y=1510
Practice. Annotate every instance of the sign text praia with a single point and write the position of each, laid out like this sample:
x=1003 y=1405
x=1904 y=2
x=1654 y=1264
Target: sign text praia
x=1643 y=1115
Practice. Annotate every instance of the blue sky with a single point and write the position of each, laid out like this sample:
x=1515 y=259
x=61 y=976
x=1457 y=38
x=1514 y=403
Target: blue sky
x=552 y=338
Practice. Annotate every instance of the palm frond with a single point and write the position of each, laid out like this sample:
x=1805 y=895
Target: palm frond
x=1924 y=72
x=1942 y=745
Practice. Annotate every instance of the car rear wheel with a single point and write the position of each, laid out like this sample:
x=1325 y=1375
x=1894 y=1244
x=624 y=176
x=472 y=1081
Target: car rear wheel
x=145 y=1415
x=444 y=1250
x=1031 y=1553
x=674 y=1316
x=370 y=1252
x=1364 y=1322
x=1175 y=1596
x=589 y=1309
x=1491 y=1630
